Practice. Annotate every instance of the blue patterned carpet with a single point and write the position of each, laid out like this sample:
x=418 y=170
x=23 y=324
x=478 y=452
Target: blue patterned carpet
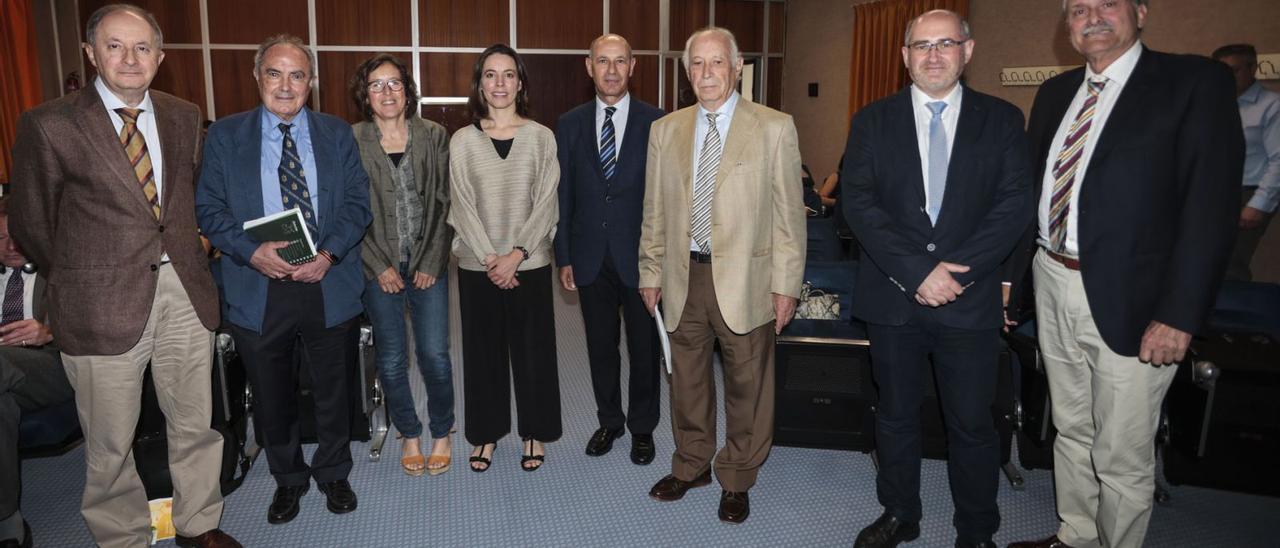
x=804 y=497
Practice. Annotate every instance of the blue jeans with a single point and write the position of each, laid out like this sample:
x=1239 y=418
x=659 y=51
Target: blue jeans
x=429 y=314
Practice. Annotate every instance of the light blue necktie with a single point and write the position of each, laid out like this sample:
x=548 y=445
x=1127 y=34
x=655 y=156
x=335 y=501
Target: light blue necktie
x=937 y=179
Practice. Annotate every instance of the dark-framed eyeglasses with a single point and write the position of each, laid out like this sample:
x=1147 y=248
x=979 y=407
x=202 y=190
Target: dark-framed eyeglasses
x=377 y=86
x=944 y=45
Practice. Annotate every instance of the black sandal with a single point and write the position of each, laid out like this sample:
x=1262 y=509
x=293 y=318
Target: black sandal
x=481 y=459
x=530 y=457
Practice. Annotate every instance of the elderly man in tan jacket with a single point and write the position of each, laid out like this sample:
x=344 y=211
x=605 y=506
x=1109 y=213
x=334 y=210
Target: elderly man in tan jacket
x=723 y=184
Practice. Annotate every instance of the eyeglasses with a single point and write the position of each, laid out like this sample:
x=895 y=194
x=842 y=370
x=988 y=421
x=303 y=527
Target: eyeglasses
x=377 y=86
x=944 y=45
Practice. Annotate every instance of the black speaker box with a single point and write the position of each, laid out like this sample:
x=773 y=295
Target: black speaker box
x=824 y=394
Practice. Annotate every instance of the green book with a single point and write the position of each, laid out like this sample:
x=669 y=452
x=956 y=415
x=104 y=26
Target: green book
x=286 y=226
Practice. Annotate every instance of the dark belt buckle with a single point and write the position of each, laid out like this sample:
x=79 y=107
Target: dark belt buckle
x=699 y=257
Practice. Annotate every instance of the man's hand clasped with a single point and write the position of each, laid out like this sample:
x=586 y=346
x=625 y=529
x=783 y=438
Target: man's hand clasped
x=940 y=287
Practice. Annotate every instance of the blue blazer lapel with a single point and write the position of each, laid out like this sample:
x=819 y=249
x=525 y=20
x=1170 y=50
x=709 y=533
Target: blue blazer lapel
x=968 y=131
x=1129 y=104
x=324 y=150
x=249 y=167
x=902 y=122
x=592 y=150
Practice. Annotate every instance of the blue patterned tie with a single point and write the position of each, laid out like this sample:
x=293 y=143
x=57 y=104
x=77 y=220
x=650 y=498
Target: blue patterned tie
x=937 y=160
x=293 y=182
x=608 y=151
x=14 y=297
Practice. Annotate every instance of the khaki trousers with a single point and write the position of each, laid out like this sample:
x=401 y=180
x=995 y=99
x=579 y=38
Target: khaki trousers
x=108 y=389
x=748 y=390
x=1106 y=408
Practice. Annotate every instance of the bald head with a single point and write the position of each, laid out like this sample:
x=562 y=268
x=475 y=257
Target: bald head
x=962 y=25
x=610 y=39
x=610 y=65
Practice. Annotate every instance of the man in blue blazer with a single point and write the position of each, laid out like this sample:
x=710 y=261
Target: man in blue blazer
x=602 y=148
x=273 y=158
x=936 y=184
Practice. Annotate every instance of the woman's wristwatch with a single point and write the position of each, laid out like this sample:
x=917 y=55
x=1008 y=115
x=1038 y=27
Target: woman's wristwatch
x=523 y=251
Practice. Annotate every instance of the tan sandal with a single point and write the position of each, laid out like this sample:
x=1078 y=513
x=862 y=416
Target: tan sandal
x=414 y=466
x=438 y=464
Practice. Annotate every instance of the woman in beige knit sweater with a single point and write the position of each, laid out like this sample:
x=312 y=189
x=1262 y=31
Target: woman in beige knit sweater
x=504 y=173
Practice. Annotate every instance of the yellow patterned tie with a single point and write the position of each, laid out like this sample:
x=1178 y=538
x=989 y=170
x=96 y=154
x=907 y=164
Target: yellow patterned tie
x=135 y=147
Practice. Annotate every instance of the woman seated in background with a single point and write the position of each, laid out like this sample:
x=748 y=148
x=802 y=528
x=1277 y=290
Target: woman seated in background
x=406 y=253
x=504 y=207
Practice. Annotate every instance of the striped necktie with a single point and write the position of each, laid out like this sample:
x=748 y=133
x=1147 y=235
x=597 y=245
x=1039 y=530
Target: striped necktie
x=293 y=182
x=1066 y=166
x=14 y=297
x=704 y=184
x=135 y=147
x=608 y=150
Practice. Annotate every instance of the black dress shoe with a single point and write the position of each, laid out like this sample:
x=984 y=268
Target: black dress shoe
x=1051 y=542
x=213 y=538
x=602 y=441
x=671 y=488
x=734 y=507
x=970 y=544
x=642 y=448
x=887 y=532
x=340 y=499
x=284 y=505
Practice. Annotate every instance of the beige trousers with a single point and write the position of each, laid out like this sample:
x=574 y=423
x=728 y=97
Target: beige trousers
x=1106 y=408
x=108 y=389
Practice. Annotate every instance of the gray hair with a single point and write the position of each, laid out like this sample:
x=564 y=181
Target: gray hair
x=285 y=40
x=964 y=25
x=734 y=54
x=1136 y=3
x=91 y=27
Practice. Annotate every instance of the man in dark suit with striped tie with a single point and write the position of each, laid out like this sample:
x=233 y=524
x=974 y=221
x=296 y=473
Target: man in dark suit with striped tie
x=602 y=149
x=276 y=157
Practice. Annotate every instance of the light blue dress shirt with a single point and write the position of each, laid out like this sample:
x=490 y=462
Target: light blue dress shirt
x=272 y=144
x=1260 y=112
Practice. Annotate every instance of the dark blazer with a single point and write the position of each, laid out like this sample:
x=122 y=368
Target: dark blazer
x=230 y=193
x=81 y=215
x=598 y=215
x=428 y=153
x=984 y=210
x=1158 y=204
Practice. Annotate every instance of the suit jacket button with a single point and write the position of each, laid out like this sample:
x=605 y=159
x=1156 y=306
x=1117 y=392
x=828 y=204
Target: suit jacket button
x=608 y=199
x=154 y=268
x=604 y=224
x=161 y=228
x=931 y=247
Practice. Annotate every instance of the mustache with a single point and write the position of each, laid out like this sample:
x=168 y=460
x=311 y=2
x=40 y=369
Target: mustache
x=1100 y=26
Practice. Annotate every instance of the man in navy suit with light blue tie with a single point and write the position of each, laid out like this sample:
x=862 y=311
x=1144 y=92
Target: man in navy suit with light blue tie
x=936 y=184
x=602 y=148
x=273 y=158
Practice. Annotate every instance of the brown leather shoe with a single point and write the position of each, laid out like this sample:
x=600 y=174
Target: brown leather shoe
x=213 y=538
x=734 y=507
x=671 y=488
x=1051 y=542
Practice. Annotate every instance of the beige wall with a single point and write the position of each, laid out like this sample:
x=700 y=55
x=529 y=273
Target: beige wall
x=1008 y=33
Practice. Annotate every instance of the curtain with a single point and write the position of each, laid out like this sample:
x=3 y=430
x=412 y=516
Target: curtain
x=19 y=74
x=878 y=29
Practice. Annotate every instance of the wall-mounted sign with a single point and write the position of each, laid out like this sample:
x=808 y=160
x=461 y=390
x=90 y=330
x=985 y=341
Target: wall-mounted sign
x=1268 y=69
x=1269 y=66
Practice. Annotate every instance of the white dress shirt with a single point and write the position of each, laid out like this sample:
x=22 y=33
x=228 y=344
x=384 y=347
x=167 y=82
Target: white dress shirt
x=1260 y=112
x=146 y=125
x=700 y=134
x=923 y=116
x=28 y=289
x=1115 y=75
x=619 y=122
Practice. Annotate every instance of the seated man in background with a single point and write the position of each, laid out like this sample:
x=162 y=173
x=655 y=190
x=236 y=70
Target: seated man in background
x=31 y=374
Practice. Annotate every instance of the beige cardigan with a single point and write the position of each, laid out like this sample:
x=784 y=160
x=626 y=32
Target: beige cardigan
x=499 y=204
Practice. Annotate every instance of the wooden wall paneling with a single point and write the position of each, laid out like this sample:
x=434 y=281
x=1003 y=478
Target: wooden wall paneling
x=684 y=90
x=244 y=21
x=686 y=16
x=773 y=97
x=745 y=19
x=635 y=21
x=234 y=89
x=179 y=19
x=777 y=26
x=336 y=70
x=452 y=117
x=559 y=24
x=463 y=23
x=668 y=98
x=182 y=74
x=447 y=74
x=644 y=80
x=557 y=83
x=367 y=23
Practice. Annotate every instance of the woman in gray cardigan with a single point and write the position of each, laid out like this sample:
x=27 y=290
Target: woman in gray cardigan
x=406 y=253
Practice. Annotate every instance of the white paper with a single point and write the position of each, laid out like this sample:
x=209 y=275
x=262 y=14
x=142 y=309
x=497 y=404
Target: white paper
x=663 y=338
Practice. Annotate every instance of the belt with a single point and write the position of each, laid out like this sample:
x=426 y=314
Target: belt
x=700 y=257
x=1069 y=262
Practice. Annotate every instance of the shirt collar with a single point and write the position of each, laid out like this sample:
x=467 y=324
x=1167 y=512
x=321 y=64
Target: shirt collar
x=726 y=109
x=1252 y=94
x=622 y=104
x=1119 y=71
x=920 y=98
x=270 y=122
x=112 y=102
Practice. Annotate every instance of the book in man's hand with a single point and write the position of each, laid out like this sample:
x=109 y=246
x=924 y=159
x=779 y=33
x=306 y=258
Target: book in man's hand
x=286 y=226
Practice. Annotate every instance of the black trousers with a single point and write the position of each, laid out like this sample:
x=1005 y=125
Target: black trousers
x=600 y=303
x=30 y=379
x=506 y=333
x=965 y=364
x=295 y=316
